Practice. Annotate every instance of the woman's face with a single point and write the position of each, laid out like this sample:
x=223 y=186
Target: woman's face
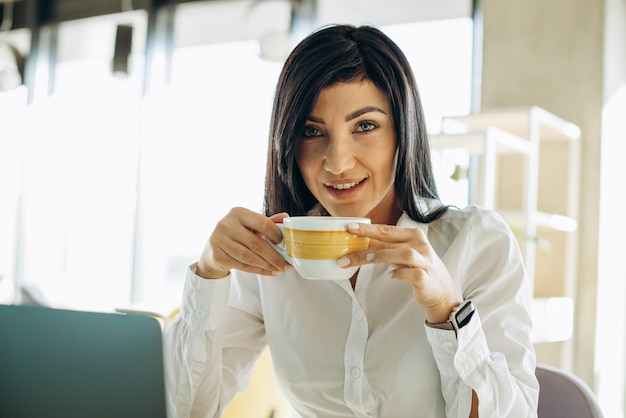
x=347 y=152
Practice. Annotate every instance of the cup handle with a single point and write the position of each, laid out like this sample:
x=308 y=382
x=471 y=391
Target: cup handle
x=280 y=248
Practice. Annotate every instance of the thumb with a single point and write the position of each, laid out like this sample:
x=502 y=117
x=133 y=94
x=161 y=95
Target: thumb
x=278 y=217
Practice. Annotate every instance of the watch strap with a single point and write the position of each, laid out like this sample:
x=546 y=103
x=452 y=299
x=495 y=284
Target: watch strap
x=441 y=325
x=459 y=317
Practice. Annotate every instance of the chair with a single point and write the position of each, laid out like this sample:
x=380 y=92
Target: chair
x=564 y=395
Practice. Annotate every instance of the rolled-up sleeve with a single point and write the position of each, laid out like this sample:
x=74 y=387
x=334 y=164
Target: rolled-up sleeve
x=493 y=354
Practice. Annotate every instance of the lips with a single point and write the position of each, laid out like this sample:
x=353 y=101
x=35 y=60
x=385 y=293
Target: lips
x=343 y=189
x=344 y=186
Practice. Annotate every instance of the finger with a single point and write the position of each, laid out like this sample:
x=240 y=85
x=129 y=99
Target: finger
x=236 y=264
x=252 y=254
x=415 y=276
x=279 y=217
x=236 y=239
x=261 y=225
x=396 y=256
x=386 y=233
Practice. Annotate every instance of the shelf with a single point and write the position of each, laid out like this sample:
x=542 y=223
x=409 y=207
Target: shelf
x=517 y=121
x=520 y=160
x=478 y=142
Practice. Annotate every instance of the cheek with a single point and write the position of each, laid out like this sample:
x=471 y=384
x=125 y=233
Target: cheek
x=304 y=165
x=394 y=164
x=391 y=173
x=305 y=160
x=389 y=162
x=301 y=160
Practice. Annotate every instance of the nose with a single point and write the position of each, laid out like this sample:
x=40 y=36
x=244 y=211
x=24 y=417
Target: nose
x=338 y=156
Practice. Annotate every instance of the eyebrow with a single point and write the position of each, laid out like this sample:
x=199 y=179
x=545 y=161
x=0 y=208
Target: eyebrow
x=363 y=111
x=352 y=115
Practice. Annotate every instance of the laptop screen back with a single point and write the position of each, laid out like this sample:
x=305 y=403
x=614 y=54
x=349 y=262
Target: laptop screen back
x=61 y=363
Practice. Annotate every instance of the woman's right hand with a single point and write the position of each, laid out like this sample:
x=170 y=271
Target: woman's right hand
x=237 y=243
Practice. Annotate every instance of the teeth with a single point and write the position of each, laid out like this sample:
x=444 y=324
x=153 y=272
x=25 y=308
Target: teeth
x=344 y=186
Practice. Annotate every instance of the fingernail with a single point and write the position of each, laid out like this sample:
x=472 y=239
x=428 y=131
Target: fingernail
x=289 y=269
x=343 y=261
x=353 y=226
x=370 y=257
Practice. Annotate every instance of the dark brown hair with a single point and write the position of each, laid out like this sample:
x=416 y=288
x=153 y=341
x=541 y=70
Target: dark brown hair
x=341 y=53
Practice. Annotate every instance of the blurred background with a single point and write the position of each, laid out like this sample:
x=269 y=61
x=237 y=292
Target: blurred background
x=128 y=128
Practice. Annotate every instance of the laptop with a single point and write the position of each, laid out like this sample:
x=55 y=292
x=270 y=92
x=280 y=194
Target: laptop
x=63 y=363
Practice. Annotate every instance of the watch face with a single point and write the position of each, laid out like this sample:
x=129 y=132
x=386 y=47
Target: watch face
x=464 y=314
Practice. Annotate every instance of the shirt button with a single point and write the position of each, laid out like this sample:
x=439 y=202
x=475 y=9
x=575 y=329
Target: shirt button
x=199 y=314
x=460 y=358
x=356 y=372
x=358 y=315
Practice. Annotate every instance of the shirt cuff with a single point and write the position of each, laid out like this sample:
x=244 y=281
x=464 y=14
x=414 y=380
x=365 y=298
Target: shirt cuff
x=472 y=348
x=204 y=300
x=444 y=345
x=459 y=354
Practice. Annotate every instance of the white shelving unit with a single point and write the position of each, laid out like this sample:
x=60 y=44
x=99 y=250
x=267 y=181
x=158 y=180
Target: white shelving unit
x=484 y=148
x=488 y=144
x=524 y=163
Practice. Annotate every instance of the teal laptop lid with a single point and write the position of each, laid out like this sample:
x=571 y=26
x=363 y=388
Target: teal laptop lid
x=62 y=363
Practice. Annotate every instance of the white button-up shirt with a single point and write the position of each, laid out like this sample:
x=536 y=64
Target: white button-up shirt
x=364 y=352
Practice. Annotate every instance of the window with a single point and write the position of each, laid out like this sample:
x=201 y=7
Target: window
x=80 y=169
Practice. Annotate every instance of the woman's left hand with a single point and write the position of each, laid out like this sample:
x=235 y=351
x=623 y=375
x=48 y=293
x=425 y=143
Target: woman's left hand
x=414 y=261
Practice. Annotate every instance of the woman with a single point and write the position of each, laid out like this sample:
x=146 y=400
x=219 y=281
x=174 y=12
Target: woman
x=436 y=320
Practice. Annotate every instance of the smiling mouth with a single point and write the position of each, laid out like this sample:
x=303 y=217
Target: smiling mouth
x=344 y=186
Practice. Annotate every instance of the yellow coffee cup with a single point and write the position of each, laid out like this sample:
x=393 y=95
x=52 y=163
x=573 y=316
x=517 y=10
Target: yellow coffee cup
x=313 y=244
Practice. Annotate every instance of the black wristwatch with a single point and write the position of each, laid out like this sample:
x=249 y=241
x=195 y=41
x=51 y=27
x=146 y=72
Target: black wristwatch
x=460 y=316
